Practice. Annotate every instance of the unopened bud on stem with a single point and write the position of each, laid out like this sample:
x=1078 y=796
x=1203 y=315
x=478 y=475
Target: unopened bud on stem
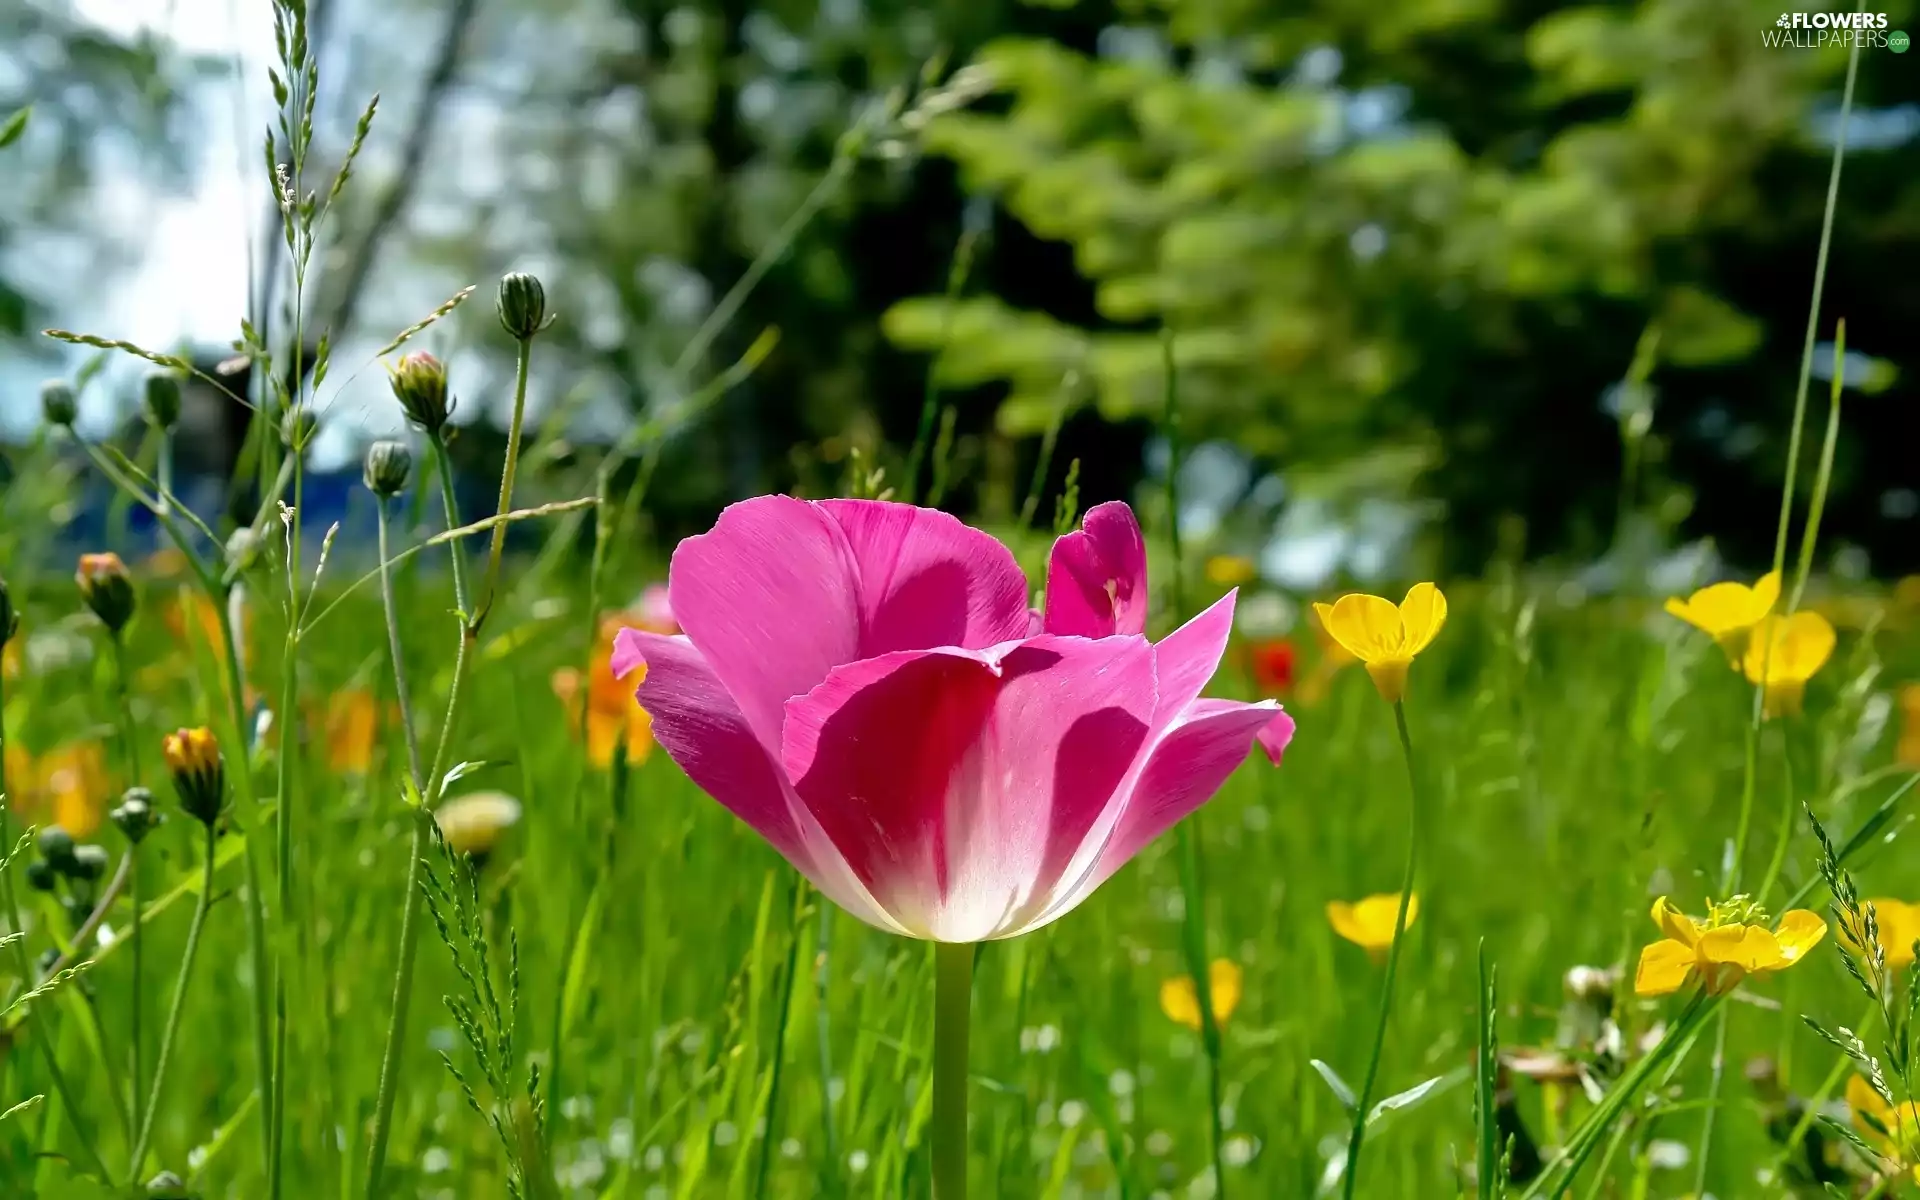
x=388 y=467
x=419 y=382
x=523 y=305
x=107 y=589
x=163 y=399
x=57 y=403
x=199 y=773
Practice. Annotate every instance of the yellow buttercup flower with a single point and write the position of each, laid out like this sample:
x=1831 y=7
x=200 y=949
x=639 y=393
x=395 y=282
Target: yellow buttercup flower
x=1898 y=924
x=1180 y=1000
x=1384 y=635
x=1784 y=654
x=1369 y=923
x=67 y=786
x=1894 y=1132
x=1726 y=612
x=1230 y=570
x=1733 y=941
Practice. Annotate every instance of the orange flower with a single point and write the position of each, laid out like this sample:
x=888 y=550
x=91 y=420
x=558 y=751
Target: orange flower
x=353 y=730
x=1272 y=662
x=1908 y=749
x=67 y=786
x=613 y=716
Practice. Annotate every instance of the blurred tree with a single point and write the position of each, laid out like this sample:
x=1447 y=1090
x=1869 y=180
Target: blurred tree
x=1440 y=227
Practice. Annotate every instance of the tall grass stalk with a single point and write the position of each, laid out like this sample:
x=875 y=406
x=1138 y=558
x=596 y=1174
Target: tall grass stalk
x=130 y=751
x=137 y=1159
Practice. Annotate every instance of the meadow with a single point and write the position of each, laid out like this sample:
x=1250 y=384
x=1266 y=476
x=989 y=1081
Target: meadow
x=414 y=903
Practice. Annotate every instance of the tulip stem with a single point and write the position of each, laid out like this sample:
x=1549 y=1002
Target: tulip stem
x=1350 y=1176
x=172 y=1026
x=952 y=1010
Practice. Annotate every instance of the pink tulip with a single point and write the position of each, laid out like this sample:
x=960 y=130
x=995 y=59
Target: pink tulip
x=859 y=682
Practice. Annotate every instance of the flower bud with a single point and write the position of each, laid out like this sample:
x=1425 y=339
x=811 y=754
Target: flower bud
x=9 y=619
x=89 y=862
x=523 y=304
x=135 y=817
x=243 y=546
x=167 y=1186
x=199 y=773
x=40 y=875
x=56 y=846
x=389 y=465
x=475 y=823
x=57 y=402
x=107 y=589
x=419 y=382
x=299 y=427
x=163 y=398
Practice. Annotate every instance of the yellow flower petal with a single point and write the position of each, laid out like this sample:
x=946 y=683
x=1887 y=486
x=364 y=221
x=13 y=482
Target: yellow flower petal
x=1180 y=1001
x=1899 y=924
x=1223 y=982
x=1720 y=609
x=1792 y=650
x=1422 y=614
x=1748 y=947
x=1370 y=922
x=1766 y=592
x=1663 y=969
x=1674 y=923
x=1798 y=932
x=1863 y=1101
x=1367 y=626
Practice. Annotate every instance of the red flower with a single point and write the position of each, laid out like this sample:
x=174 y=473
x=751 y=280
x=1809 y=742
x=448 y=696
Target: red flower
x=1272 y=663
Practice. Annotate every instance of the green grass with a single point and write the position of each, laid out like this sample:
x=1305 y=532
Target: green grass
x=1578 y=760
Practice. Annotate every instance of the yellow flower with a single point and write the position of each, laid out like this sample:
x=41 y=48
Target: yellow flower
x=1181 y=1002
x=353 y=730
x=1369 y=923
x=1727 y=611
x=1907 y=751
x=199 y=774
x=1230 y=570
x=1786 y=656
x=1734 y=941
x=472 y=824
x=1386 y=636
x=10 y=656
x=1895 y=1132
x=1898 y=924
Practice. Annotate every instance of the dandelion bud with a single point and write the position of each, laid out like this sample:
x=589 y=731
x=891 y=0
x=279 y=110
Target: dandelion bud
x=57 y=402
x=419 y=382
x=40 y=875
x=9 y=619
x=298 y=427
x=243 y=546
x=474 y=824
x=388 y=467
x=199 y=774
x=56 y=846
x=107 y=589
x=523 y=304
x=89 y=862
x=167 y=1186
x=163 y=398
x=135 y=817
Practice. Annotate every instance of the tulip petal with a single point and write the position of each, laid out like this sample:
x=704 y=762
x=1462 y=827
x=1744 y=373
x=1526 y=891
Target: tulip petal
x=781 y=591
x=960 y=785
x=1097 y=576
x=701 y=729
x=1186 y=659
x=1183 y=771
x=1422 y=614
x=1663 y=969
x=926 y=579
x=1275 y=737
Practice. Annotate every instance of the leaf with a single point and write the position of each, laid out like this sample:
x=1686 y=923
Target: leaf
x=1341 y=1091
x=9 y=134
x=573 y=991
x=1411 y=1097
x=21 y=1107
x=463 y=769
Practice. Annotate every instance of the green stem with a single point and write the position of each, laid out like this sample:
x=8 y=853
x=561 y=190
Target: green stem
x=1350 y=1177
x=131 y=748
x=507 y=471
x=283 y=831
x=770 y=1115
x=167 y=1031
x=822 y=1022
x=1823 y=477
x=1194 y=940
x=1171 y=428
x=957 y=272
x=1813 y=305
x=952 y=1011
x=1719 y=1066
